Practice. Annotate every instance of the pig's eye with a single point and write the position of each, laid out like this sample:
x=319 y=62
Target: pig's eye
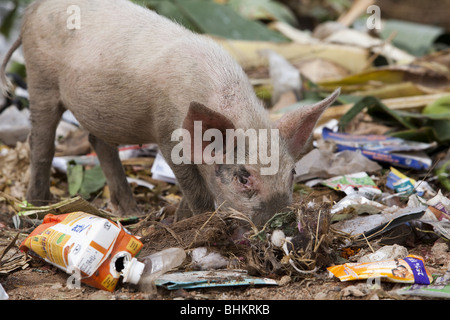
x=242 y=179
x=242 y=175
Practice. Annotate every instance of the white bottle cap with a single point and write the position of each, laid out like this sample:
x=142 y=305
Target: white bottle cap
x=132 y=271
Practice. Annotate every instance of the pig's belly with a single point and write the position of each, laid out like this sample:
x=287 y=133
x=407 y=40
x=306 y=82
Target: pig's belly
x=115 y=125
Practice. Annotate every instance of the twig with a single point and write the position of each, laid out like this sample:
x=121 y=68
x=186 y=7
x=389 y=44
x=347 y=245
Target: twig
x=358 y=8
x=368 y=243
x=316 y=245
x=238 y=215
x=426 y=176
x=376 y=54
x=10 y=245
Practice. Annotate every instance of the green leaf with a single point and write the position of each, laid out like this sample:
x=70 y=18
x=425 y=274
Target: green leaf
x=415 y=38
x=413 y=126
x=8 y=20
x=74 y=177
x=221 y=20
x=423 y=134
x=93 y=180
x=378 y=110
x=263 y=10
x=169 y=10
x=443 y=175
x=439 y=108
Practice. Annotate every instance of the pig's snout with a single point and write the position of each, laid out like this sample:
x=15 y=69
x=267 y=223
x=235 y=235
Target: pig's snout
x=276 y=203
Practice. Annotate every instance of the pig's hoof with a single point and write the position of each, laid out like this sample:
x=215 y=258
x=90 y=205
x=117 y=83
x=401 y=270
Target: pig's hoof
x=124 y=211
x=181 y=214
x=129 y=212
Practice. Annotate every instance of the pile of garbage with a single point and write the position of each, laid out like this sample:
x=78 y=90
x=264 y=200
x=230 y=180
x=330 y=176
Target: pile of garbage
x=352 y=194
x=374 y=187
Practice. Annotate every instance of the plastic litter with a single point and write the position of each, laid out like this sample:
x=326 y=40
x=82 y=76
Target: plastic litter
x=401 y=183
x=284 y=76
x=159 y=263
x=3 y=294
x=396 y=151
x=440 y=288
x=326 y=164
x=210 y=278
x=357 y=183
x=410 y=269
x=125 y=152
x=385 y=253
x=362 y=227
x=96 y=250
x=162 y=171
x=358 y=204
x=437 y=213
x=205 y=260
x=14 y=125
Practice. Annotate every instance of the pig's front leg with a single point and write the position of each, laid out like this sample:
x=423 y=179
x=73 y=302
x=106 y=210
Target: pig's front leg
x=183 y=210
x=46 y=113
x=196 y=196
x=121 y=195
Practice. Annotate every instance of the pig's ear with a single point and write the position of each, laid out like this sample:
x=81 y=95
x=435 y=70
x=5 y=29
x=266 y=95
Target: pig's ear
x=296 y=126
x=209 y=119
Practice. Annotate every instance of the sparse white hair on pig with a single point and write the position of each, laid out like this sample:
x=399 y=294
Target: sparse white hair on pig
x=131 y=76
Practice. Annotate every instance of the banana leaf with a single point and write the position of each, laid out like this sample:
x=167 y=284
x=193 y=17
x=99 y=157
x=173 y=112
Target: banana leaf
x=424 y=127
x=213 y=18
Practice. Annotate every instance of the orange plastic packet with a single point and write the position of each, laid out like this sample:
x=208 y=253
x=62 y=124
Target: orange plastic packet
x=411 y=269
x=98 y=249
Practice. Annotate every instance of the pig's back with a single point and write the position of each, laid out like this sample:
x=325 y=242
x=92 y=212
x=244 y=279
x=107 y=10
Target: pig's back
x=125 y=64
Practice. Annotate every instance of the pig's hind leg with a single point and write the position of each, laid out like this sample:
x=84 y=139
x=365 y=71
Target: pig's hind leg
x=121 y=195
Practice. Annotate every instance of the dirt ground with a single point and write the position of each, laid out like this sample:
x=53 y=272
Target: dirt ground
x=45 y=282
x=37 y=280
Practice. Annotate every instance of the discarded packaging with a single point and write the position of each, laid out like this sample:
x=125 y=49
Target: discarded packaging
x=14 y=125
x=434 y=212
x=125 y=152
x=440 y=288
x=208 y=279
x=385 y=253
x=410 y=269
x=159 y=263
x=326 y=164
x=358 y=204
x=365 y=227
x=285 y=77
x=382 y=148
x=437 y=214
x=95 y=249
x=357 y=183
x=3 y=294
x=401 y=183
x=162 y=171
x=205 y=260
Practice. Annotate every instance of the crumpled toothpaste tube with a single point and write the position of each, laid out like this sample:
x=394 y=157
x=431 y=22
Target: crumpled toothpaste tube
x=411 y=269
